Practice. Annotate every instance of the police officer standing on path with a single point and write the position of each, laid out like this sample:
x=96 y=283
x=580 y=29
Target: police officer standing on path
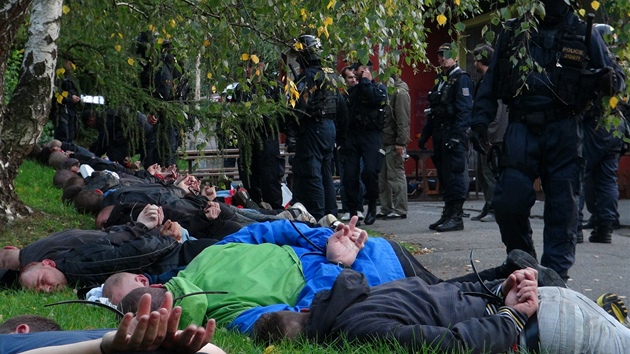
x=317 y=108
x=450 y=104
x=544 y=134
x=368 y=101
x=602 y=150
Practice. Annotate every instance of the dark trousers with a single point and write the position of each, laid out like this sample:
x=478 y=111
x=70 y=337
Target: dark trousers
x=601 y=151
x=451 y=163
x=364 y=145
x=264 y=180
x=554 y=155
x=313 y=168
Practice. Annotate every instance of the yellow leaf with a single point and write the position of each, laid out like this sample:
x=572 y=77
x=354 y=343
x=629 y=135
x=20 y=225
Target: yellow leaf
x=582 y=12
x=74 y=67
x=613 y=102
x=270 y=349
x=328 y=21
x=64 y=94
x=168 y=36
x=172 y=23
x=441 y=19
x=244 y=56
x=209 y=76
x=65 y=9
x=59 y=98
x=206 y=43
x=160 y=40
x=112 y=35
x=130 y=61
x=595 y=5
x=214 y=89
x=303 y=13
x=331 y=4
x=120 y=35
x=151 y=28
x=61 y=71
x=254 y=58
x=292 y=103
x=257 y=72
x=248 y=104
x=298 y=46
x=457 y=2
x=117 y=47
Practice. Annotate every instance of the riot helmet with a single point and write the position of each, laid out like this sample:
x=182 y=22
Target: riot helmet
x=607 y=32
x=307 y=50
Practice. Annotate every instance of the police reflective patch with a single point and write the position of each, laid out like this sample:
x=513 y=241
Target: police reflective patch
x=465 y=91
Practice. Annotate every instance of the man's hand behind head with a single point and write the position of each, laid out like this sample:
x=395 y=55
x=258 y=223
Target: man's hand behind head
x=151 y=216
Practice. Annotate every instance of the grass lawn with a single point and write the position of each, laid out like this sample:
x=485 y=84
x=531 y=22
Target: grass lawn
x=34 y=185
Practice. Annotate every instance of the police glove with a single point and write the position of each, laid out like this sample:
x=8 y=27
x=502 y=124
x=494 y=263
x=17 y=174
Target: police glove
x=479 y=138
x=421 y=142
x=291 y=143
x=607 y=81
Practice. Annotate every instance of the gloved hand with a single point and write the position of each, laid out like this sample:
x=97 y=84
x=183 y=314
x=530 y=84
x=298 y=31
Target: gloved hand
x=607 y=81
x=479 y=138
x=421 y=142
x=291 y=143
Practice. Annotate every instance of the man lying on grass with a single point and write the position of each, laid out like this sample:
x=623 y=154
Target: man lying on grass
x=283 y=271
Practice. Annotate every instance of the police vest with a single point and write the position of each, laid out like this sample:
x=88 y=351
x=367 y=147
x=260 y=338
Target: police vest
x=561 y=55
x=318 y=96
x=442 y=97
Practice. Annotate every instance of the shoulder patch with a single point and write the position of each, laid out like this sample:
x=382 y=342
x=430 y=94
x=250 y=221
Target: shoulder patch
x=465 y=91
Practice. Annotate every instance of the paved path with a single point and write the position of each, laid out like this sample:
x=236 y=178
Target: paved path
x=599 y=268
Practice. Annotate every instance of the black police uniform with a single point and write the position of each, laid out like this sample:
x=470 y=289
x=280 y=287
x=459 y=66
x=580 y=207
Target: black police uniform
x=263 y=179
x=66 y=125
x=450 y=102
x=544 y=134
x=368 y=100
x=317 y=108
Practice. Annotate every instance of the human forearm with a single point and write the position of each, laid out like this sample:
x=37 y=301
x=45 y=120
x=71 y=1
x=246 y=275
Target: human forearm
x=87 y=347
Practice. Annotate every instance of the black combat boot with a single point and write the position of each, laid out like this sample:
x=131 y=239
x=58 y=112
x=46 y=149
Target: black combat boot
x=601 y=234
x=370 y=217
x=446 y=211
x=454 y=221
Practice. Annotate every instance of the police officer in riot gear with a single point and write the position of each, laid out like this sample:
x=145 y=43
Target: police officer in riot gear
x=450 y=104
x=602 y=150
x=317 y=108
x=364 y=141
x=544 y=134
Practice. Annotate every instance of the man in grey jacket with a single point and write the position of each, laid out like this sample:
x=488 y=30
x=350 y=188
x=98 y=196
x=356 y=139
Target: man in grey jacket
x=392 y=182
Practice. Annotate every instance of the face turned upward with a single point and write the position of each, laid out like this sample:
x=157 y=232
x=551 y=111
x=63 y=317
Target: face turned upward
x=42 y=277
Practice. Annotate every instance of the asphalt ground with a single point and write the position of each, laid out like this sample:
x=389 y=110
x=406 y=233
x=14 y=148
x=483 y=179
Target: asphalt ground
x=598 y=269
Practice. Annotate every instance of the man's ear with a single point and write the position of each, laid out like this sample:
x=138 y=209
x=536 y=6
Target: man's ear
x=141 y=278
x=49 y=263
x=22 y=329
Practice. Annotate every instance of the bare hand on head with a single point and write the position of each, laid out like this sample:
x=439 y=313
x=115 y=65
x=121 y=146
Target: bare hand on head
x=153 y=169
x=521 y=291
x=172 y=229
x=150 y=330
x=151 y=216
x=152 y=119
x=212 y=210
x=209 y=192
x=344 y=245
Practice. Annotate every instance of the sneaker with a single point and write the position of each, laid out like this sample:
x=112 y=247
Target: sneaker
x=519 y=259
x=304 y=214
x=393 y=215
x=488 y=218
x=381 y=215
x=329 y=220
x=345 y=217
x=360 y=215
x=614 y=306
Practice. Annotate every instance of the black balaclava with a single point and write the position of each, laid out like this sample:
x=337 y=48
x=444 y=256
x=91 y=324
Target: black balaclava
x=555 y=10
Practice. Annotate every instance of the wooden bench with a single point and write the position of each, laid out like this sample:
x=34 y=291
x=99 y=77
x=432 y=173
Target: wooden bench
x=216 y=157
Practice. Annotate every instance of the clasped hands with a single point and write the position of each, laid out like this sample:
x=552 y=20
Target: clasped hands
x=521 y=291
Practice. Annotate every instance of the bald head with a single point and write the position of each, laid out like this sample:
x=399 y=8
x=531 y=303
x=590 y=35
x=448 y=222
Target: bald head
x=120 y=284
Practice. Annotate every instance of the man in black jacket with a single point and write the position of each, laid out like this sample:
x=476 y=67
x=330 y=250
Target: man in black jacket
x=85 y=257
